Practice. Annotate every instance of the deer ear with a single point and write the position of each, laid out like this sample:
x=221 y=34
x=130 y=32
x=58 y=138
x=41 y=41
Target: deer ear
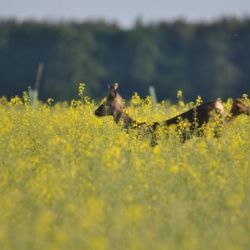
x=114 y=86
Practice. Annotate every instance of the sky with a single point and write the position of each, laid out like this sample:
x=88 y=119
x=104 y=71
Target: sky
x=123 y=12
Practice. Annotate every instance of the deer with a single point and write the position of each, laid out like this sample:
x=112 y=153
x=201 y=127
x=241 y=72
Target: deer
x=115 y=106
x=197 y=117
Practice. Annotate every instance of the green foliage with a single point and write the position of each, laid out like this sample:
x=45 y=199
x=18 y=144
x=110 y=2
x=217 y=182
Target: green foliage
x=201 y=59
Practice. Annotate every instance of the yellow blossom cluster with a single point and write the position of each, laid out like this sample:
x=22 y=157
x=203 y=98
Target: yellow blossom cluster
x=71 y=180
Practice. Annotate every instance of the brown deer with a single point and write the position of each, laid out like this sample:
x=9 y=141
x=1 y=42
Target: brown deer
x=197 y=116
x=114 y=106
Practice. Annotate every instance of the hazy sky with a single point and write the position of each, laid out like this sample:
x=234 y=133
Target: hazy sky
x=125 y=12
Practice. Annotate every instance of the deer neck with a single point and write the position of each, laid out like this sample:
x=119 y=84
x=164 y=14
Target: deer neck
x=122 y=116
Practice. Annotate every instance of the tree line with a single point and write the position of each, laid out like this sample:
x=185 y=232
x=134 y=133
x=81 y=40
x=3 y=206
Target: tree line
x=207 y=59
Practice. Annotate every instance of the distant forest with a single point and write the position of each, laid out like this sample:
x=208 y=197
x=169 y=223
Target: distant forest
x=207 y=59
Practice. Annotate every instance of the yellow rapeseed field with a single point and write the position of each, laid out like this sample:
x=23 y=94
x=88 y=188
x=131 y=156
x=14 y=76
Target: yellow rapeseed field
x=70 y=180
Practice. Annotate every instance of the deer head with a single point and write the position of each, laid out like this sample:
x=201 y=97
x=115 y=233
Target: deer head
x=239 y=107
x=114 y=106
